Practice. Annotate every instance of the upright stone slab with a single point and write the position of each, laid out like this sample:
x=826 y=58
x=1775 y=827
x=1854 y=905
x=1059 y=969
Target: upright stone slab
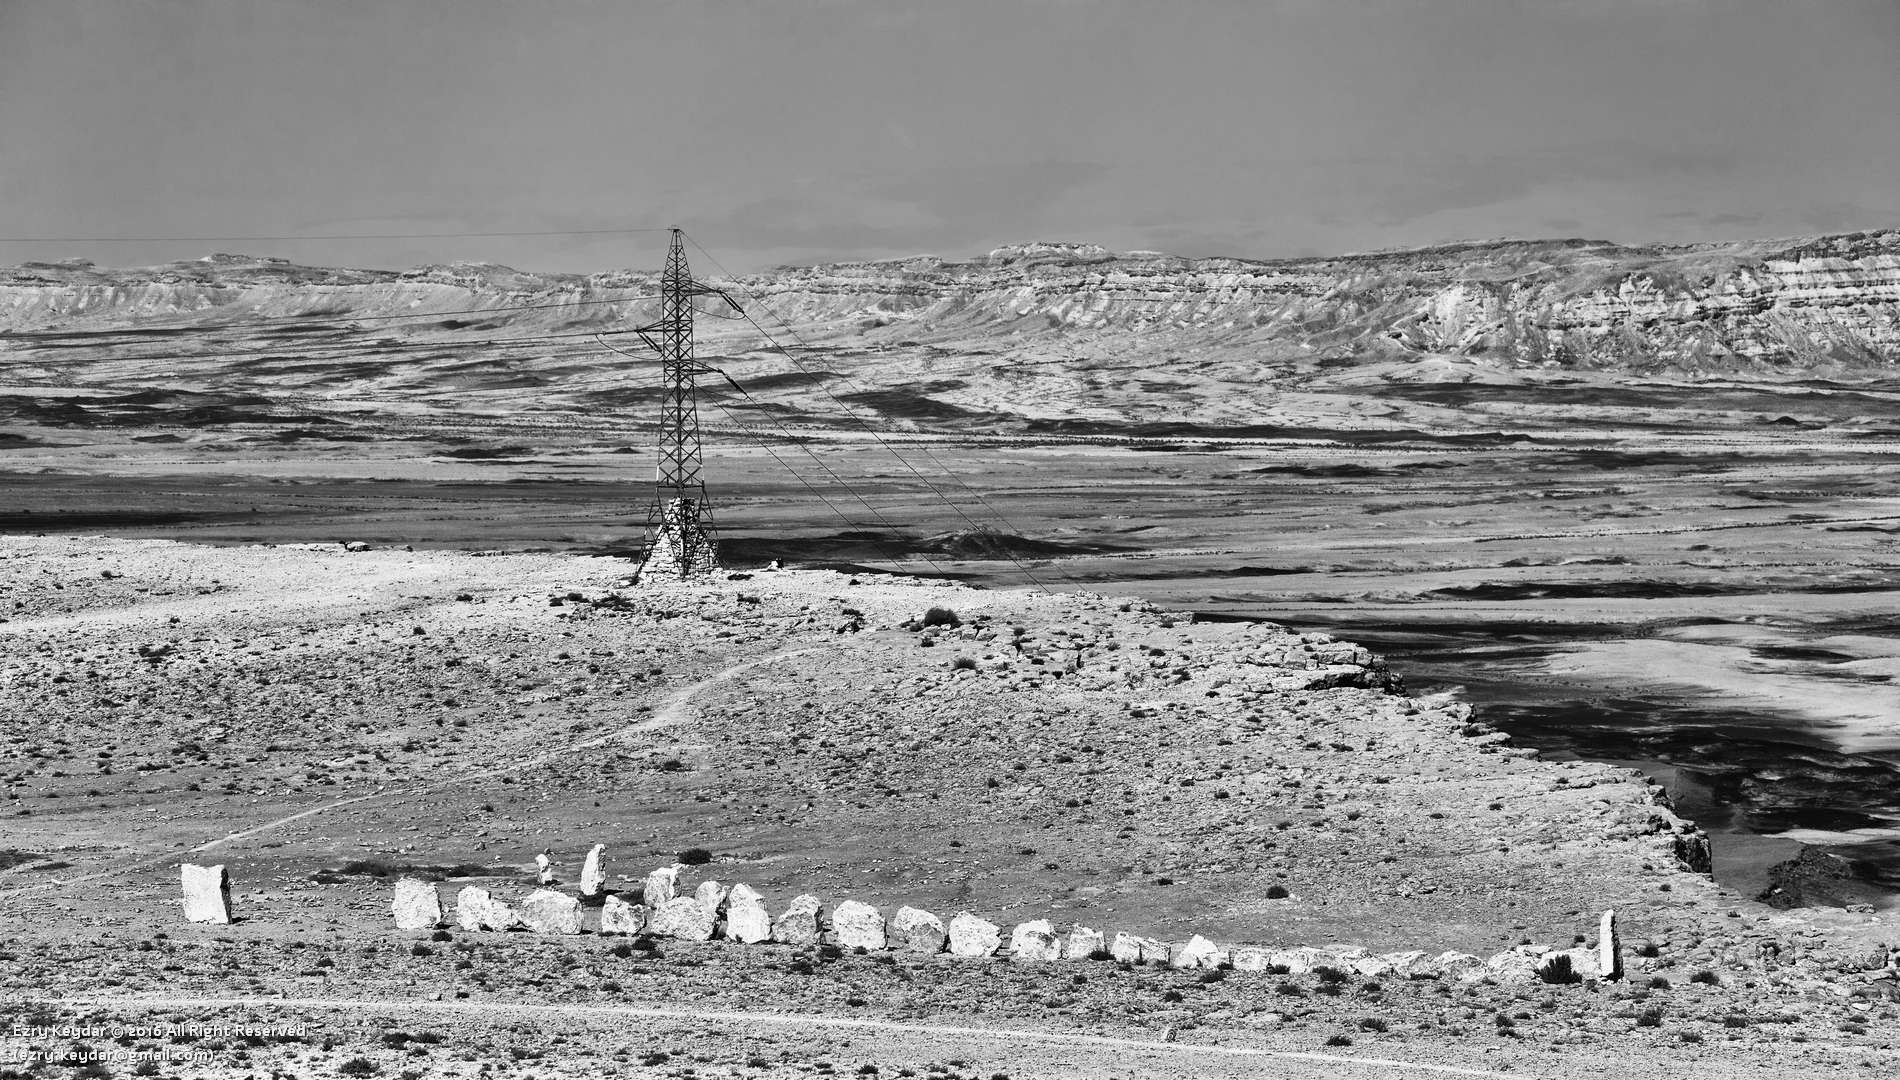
x=747 y=921
x=914 y=930
x=682 y=917
x=1198 y=953
x=858 y=926
x=475 y=909
x=416 y=905
x=207 y=893
x=543 y=869
x=1034 y=940
x=660 y=886
x=1609 y=948
x=799 y=923
x=1301 y=961
x=619 y=917
x=710 y=895
x=549 y=912
x=1156 y=952
x=1083 y=943
x=593 y=874
x=971 y=936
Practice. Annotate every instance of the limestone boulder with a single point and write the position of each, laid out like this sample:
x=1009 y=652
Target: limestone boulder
x=417 y=907
x=798 y=925
x=207 y=892
x=1404 y=965
x=619 y=917
x=747 y=921
x=548 y=912
x=594 y=871
x=1566 y=966
x=1453 y=965
x=1250 y=959
x=1155 y=952
x=1126 y=948
x=660 y=886
x=682 y=917
x=858 y=926
x=971 y=936
x=1083 y=943
x=1199 y=953
x=914 y=930
x=1301 y=961
x=710 y=895
x=1513 y=966
x=475 y=909
x=1035 y=940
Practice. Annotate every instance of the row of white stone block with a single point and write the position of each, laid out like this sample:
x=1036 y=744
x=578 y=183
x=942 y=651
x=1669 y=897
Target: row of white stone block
x=739 y=914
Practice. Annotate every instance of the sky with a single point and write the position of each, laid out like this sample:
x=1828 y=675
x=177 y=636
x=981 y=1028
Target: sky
x=798 y=131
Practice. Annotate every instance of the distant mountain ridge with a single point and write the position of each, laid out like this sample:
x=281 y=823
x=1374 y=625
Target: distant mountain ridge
x=1829 y=303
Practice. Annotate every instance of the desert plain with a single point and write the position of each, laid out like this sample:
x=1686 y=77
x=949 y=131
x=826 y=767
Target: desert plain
x=1633 y=618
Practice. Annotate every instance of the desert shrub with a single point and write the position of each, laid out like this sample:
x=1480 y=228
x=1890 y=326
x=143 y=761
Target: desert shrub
x=419 y=949
x=358 y=1067
x=941 y=616
x=1372 y=1023
x=695 y=856
x=1648 y=950
x=622 y=950
x=1100 y=954
x=1706 y=978
x=1659 y=983
x=1339 y=1040
x=1690 y=1037
x=1276 y=892
x=1735 y=1021
x=1330 y=976
x=1171 y=996
x=963 y=663
x=1558 y=971
x=1650 y=1018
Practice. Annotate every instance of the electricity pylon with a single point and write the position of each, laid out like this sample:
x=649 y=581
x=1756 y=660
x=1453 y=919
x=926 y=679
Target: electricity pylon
x=679 y=523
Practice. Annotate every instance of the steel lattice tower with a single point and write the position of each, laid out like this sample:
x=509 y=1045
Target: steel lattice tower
x=679 y=523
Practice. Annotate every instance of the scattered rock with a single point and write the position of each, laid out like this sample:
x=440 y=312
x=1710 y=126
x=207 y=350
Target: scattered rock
x=710 y=896
x=549 y=912
x=619 y=917
x=915 y=930
x=858 y=925
x=1035 y=940
x=682 y=917
x=799 y=923
x=207 y=893
x=417 y=906
x=1251 y=959
x=971 y=936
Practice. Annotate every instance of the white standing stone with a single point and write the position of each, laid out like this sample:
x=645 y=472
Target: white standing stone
x=416 y=905
x=1609 y=948
x=619 y=917
x=971 y=936
x=207 y=893
x=710 y=895
x=549 y=912
x=1198 y=953
x=475 y=909
x=1083 y=943
x=1035 y=940
x=593 y=874
x=682 y=917
x=858 y=926
x=747 y=921
x=1156 y=952
x=543 y=869
x=1403 y=964
x=799 y=924
x=1301 y=961
x=660 y=886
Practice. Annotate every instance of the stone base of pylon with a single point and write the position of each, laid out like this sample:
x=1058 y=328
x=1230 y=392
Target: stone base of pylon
x=682 y=547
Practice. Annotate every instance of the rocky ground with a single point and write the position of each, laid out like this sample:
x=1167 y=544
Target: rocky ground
x=319 y=719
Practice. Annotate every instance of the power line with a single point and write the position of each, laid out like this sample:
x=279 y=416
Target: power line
x=320 y=236
x=879 y=438
x=877 y=516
